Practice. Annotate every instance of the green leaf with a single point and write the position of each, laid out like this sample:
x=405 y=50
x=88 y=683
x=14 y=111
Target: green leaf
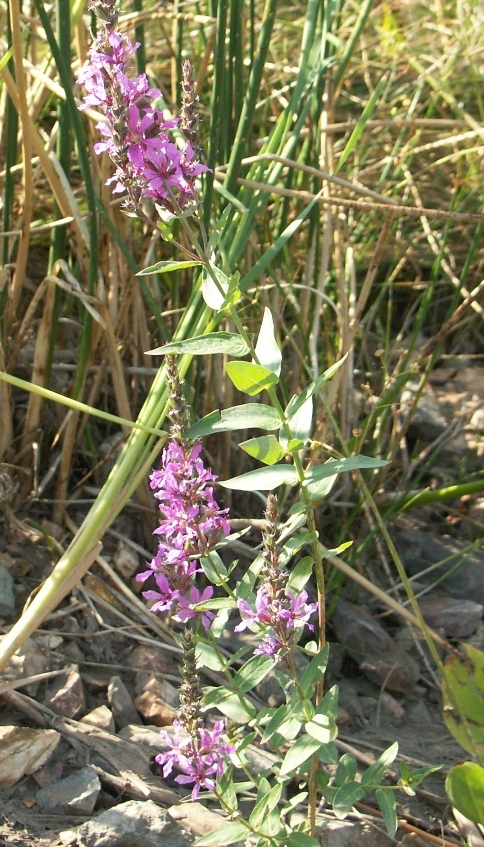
x=334 y=466
x=346 y=770
x=205 y=345
x=250 y=378
x=300 y=574
x=319 y=490
x=388 y=805
x=237 y=708
x=300 y=752
x=266 y=804
x=345 y=798
x=266 y=449
x=252 y=672
x=165 y=267
x=300 y=425
x=301 y=839
x=322 y=727
x=314 y=671
x=267 y=349
x=263 y=479
x=214 y=568
x=463 y=696
x=207 y=657
x=465 y=787
x=227 y=834
x=227 y=789
x=298 y=400
x=213 y=294
x=374 y=774
x=248 y=415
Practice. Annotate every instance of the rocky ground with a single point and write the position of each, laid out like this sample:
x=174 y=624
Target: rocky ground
x=77 y=742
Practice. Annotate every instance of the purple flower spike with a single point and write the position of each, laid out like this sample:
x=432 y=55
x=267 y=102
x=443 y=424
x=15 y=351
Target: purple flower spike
x=135 y=134
x=200 y=756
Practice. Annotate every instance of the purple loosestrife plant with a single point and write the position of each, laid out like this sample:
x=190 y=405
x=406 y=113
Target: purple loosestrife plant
x=269 y=596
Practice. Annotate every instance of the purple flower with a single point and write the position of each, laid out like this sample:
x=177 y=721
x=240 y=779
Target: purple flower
x=199 y=756
x=135 y=134
x=190 y=526
x=280 y=618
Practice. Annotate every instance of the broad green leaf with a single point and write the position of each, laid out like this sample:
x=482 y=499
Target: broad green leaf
x=250 y=378
x=214 y=568
x=328 y=707
x=265 y=805
x=263 y=479
x=346 y=770
x=463 y=696
x=314 y=671
x=165 y=267
x=267 y=349
x=334 y=466
x=214 y=294
x=375 y=773
x=246 y=416
x=465 y=787
x=345 y=798
x=300 y=574
x=322 y=728
x=319 y=490
x=237 y=708
x=300 y=424
x=301 y=839
x=227 y=834
x=387 y=803
x=205 y=345
x=300 y=752
x=252 y=672
x=266 y=449
x=207 y=657
x=297 y=400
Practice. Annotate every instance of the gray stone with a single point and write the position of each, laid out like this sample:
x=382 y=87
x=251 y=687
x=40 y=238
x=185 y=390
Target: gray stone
x=76 y=794
x=462 y=572
x=7 y=597
x=456 y=618
x=428 y=422
x=122 y=706
x=133 y=824
x=347 y=834
x=378 y=655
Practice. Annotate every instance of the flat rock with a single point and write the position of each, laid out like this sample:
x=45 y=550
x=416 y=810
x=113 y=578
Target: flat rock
x=428 y=422
x=76 y=794
x=133 y=824
x=66 y=695
x=348 y=834
x=377 y=654
x=158 y=701
x=23 y=750
x=462 y=574
x=102 y=717
x=7 y=596
x=153 y=659
x=456 y=618
x=27 y=661
x=121 y=702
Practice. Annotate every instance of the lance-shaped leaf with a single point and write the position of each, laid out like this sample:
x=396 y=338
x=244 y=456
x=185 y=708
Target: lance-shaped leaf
x=250 y=378
x=165 y=267
x=263 y=479
x=297 y=400
x=205 y=345
x=300 y=425
x=266 y=448
x=246 y=416
x=214 y=293
x=334 y=466
x=267 y=349
x=227 y=834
